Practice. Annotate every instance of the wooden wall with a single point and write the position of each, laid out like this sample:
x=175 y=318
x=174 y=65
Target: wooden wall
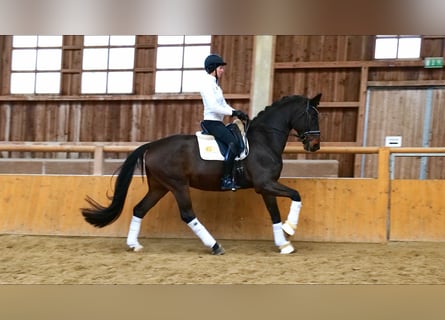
x=143 y=116
x=334 y=210
x=417 y=210
x=34 y=204
x=343 y=69
x=354 y=87
x=402 y=112
x=340 y=67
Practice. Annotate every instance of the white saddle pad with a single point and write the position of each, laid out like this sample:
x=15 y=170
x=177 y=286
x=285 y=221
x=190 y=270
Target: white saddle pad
x=209 y=150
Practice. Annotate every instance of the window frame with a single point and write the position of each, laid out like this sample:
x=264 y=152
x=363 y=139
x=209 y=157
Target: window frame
x=182 y=69
x=108 y=70
x=397 y=52
x=35 y=70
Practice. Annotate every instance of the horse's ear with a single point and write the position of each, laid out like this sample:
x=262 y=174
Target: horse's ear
x=316 y=100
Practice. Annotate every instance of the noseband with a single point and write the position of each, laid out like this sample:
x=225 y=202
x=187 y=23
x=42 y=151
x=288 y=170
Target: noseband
x=304 y=136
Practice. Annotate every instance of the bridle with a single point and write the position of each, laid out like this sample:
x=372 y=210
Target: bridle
x=304 y=136
x=308 y=132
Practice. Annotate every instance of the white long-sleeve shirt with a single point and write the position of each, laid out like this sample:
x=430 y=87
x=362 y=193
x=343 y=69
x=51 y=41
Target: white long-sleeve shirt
x=215 y=106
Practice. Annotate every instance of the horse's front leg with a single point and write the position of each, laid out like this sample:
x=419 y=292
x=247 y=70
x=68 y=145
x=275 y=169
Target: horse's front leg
x=277 y=227
x=276 y=189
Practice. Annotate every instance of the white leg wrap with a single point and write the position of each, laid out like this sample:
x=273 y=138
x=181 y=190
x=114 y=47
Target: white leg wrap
x=287 y=248
x=292 y=218
x=202 y=233
x=280 y=240
x=278 y=234
x=133 y=233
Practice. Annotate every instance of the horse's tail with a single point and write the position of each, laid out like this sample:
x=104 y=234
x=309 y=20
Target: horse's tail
x=100 y=216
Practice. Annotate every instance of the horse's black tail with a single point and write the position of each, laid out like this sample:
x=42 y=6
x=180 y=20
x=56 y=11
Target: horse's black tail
x=100 y=216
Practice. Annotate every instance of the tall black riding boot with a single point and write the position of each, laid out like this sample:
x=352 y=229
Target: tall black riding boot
x=228 y=183
x=227 y=180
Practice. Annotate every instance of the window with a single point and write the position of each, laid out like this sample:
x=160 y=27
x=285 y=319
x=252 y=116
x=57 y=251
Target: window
x=397 y=47
x=36 y=64
x=180 y=63
x=107 y=65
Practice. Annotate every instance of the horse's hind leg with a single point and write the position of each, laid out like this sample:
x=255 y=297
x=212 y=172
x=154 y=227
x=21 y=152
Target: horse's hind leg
x=182 y=196
x=140 y=210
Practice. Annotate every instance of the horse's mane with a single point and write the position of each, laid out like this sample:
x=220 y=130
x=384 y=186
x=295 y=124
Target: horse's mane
x=278 y=103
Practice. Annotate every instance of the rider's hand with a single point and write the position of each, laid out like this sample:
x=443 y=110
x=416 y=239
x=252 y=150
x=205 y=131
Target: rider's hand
x=240 y=115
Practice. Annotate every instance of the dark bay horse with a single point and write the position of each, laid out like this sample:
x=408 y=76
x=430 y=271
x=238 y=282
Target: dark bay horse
x=267 y=134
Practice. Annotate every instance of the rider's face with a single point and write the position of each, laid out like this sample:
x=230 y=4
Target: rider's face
x=219 y=71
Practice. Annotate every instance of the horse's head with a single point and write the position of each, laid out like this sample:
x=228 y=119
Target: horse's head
x=307 y=125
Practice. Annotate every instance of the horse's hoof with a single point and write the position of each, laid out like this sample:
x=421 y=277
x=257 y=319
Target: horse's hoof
x=286 y=248
x=136 y=248
x=217 y=250
x=289 y=228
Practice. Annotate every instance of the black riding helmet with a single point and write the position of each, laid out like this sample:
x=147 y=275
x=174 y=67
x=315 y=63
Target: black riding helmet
x=212 y=62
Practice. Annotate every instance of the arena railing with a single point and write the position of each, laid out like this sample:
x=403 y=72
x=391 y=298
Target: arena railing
x=386 y=155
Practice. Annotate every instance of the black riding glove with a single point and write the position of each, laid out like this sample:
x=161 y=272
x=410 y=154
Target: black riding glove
x=240 y=115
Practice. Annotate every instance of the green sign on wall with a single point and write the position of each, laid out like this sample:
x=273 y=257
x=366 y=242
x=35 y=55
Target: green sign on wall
x=433 y=62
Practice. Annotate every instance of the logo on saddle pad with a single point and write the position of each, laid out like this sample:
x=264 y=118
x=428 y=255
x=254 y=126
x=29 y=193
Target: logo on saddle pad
x=210 y=150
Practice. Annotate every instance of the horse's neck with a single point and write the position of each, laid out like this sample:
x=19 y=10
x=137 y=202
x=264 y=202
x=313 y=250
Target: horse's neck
x=273 y=137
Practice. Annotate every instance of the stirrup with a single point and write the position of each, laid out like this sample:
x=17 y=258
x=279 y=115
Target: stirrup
x=228 y=184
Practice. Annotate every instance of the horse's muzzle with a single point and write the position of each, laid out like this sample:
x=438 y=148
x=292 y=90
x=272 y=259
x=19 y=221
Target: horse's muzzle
x=311 y=142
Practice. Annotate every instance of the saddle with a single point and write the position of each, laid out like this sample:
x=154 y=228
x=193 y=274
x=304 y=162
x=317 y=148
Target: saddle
x=212 y=149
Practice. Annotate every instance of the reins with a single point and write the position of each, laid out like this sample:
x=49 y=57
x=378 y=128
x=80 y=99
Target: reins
x=246 y=126
x=302 y=136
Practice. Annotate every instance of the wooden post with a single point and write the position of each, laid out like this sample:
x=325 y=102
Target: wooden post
x=263 y=72
x=383 y=177
x=98 y=160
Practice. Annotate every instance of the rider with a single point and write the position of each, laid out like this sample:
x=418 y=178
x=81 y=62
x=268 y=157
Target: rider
x=215 y=108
